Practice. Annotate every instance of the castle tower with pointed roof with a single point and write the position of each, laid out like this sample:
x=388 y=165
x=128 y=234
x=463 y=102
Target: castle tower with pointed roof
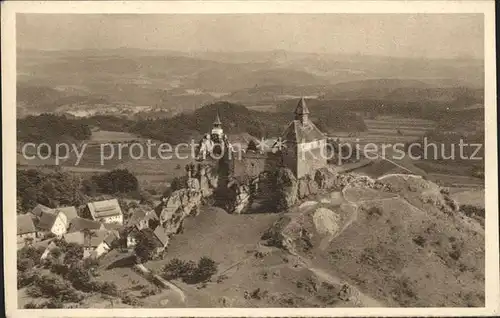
x=304 y=144
x=217 y=131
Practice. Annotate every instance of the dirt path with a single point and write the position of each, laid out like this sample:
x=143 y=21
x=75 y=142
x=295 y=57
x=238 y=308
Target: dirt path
x=173 y=287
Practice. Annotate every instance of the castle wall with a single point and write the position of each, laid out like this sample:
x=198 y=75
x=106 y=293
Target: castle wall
x=310 y=159
x=252 y=165
x=290 y=158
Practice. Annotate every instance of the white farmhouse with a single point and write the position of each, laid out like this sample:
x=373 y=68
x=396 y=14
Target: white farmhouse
x=54 y=222
x=107 y=211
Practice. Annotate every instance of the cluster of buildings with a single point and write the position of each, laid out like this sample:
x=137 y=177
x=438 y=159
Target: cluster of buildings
x=302 y=148
x=99 y=227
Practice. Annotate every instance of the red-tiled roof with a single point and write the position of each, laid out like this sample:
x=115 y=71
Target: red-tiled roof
x=25 y=224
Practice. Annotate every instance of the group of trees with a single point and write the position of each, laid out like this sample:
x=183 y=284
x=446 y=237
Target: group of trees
x=55 y=189
x=50 y=189
x=189 y=271
x=51 y=128
x=115 y=181
x=70 y=274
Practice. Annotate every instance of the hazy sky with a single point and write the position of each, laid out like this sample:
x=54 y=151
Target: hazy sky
x=430 y=35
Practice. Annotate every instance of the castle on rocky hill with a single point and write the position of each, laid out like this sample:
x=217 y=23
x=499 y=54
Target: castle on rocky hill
x=302 y=148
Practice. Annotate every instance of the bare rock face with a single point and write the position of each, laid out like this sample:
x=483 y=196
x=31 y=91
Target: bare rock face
x=241 y=199
x=208 y=180
x=286 y=189
x=313 y=225
x=179 y=205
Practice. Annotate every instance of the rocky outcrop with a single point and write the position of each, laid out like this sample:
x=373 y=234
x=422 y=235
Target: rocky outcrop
x=177 y=207
x=308 y=226
x=286 y=189
x=239 y=198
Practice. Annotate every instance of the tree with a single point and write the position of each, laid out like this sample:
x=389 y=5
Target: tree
x=177 y=268
x=73 y=254
x=25 y=264
x=80 y=277
x=145 y=248
x=205 y=270
x=116 y=181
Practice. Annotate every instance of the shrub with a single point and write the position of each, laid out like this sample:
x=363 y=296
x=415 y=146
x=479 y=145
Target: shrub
x=375 y=211
x=26 y=278
x=73 y=253
x=55 y=287
x=108 y=288
x=419 y=240
x=471 y=210
x=29 y=252
x=206 y=269
x=31 y=305
x=25 y=264
x=177 y=268
x=149 y=291
x=190 y=272
x=131 y=300
x=80 y=278
x=145 y=248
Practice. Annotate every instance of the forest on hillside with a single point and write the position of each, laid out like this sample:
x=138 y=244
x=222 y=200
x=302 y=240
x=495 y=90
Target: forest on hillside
x=236 y=119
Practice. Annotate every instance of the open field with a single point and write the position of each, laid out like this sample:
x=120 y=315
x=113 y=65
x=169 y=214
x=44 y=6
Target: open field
x=384 y=129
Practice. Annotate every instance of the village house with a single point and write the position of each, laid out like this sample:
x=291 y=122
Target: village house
x=98 y=243
x=54 y=222
x=69 y=211
x=132 y=236
x=79 y=224
x=95 y=243
x=39 y=209
x=26 y=230
x=107 y=211
x=140 y=220
x=159 y=237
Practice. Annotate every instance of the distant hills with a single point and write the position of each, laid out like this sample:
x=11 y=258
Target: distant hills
x=108 y=81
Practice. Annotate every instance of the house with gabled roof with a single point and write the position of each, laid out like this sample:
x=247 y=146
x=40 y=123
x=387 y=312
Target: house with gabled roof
x=69 y=211
x=159 y=237
x=95 y=242
x=107 y=211
x=25 y=228
x=54 y=222
x=143 y=218
x=39 y=209
x=79 y=224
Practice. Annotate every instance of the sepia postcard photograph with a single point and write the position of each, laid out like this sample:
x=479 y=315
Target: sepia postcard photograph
x=249 y=158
